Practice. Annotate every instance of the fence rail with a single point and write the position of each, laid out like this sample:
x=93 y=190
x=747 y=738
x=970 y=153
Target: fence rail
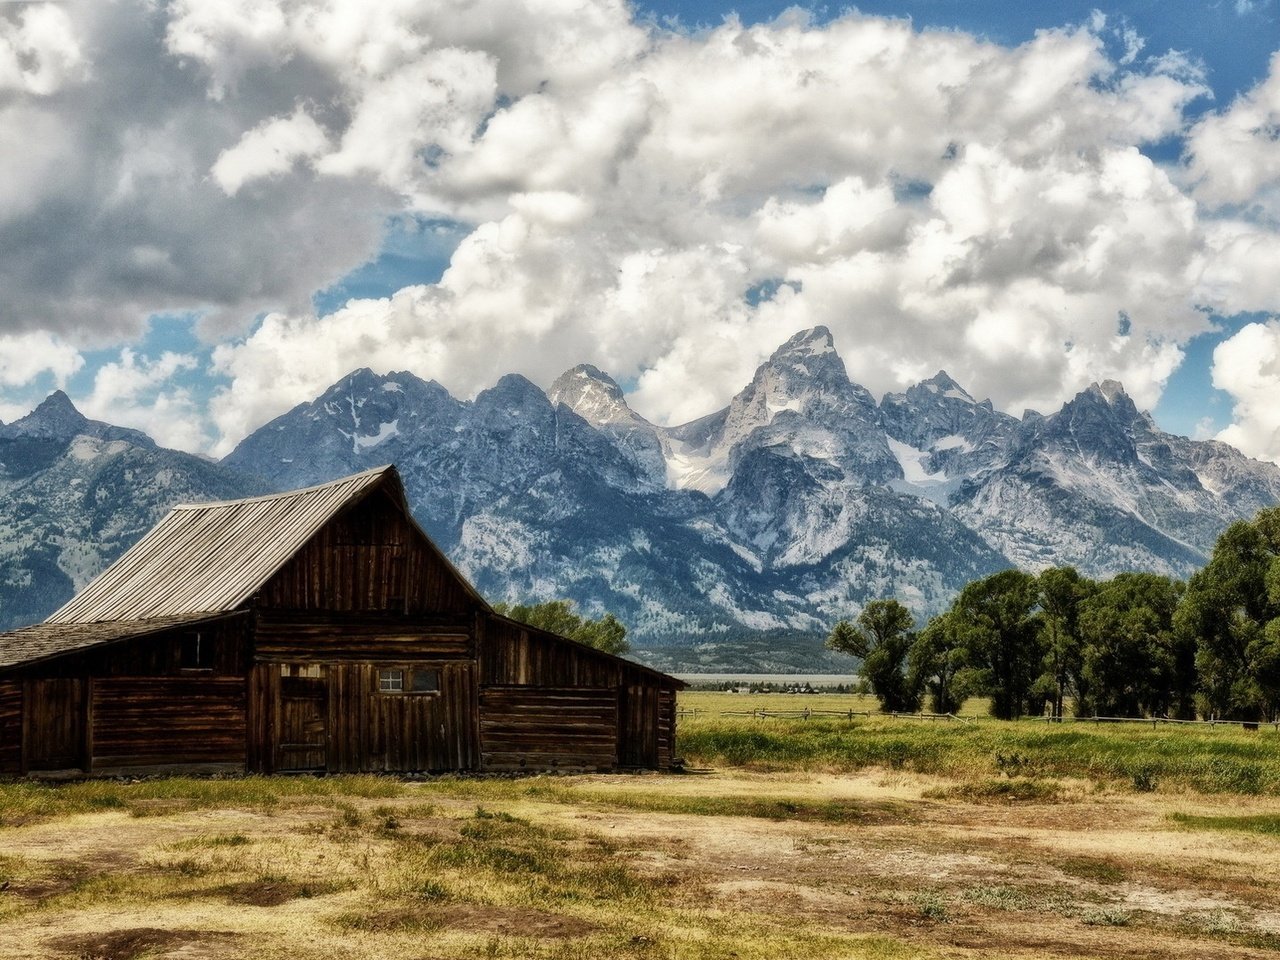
x=806 y=714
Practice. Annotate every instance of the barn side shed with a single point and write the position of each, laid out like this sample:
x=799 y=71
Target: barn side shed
x=318 y=630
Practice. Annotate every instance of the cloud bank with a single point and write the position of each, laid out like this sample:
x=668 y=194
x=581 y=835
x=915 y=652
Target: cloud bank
x=667 y=205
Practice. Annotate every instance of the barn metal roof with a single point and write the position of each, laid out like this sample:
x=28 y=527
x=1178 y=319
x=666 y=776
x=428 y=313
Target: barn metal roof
x=211 y=557
x=45 y=640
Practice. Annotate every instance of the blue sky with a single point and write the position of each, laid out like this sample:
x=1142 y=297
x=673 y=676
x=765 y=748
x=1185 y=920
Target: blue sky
x=190 y=226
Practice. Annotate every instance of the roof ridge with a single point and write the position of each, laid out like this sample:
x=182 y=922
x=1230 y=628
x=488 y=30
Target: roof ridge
x=285 y=494
x=211 y=557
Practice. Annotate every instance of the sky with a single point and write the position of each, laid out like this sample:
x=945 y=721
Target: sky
x=211 y=210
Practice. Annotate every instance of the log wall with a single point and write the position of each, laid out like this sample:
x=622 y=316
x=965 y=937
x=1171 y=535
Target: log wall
x=513 y=655
x=11 y=726
x=146 y=721
x=313 y=638
x=666 y=728
x=537 y=728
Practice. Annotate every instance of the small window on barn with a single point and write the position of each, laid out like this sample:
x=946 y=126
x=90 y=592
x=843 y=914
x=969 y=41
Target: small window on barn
x=391 y=681
x=197 y=652
x=424 y=681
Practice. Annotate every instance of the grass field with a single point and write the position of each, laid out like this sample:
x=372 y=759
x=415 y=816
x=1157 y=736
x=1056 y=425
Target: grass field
x=876 y=838
x=1220 y=759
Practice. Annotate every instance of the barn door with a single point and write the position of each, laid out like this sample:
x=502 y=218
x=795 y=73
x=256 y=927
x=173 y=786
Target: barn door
x=304 y=724
x=638 y=726
x=55 y=724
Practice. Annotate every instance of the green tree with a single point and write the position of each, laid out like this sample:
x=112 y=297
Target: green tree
x=935 y=664
x=882 y=638
x=1061 y=591
x=558 y=616
x=1133 y=661
x=998 y=628
x=1230 y=612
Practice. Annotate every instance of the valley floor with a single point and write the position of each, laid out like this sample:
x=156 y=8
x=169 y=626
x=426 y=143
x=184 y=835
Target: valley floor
x=726 y=864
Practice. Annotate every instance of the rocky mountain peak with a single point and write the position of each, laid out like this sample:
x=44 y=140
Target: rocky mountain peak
x=814 y=341
x=55 y=417
x=809 y=357
x=56 y=420
x=515 y=391
x=1111 y=392
x=1109 y=395
x=593 y=395
x=942 y=384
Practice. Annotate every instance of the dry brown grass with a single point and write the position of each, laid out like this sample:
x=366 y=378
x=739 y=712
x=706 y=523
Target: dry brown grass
x=875 y=865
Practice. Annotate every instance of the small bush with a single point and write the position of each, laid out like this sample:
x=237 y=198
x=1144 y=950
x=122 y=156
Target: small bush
x=932 y=906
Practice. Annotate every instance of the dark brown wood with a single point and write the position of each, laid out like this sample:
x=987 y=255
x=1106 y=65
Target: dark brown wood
x=303 y=740
x=167 y=721
x=11 y=726
x=54 y=724
x=86 y=749
x=369 y=558
x=293 y=680
x=539 y=728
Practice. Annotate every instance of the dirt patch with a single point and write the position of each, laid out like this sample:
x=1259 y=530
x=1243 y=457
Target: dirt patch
x=274 y=894
x=127 y=944
x=514 y=922
x=473 y=918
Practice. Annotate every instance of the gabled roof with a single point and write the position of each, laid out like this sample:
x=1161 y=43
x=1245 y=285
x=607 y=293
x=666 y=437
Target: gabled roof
x=45 y=640
x=211 y=557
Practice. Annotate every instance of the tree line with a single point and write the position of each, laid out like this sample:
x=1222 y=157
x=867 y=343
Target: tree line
x=1138 y=644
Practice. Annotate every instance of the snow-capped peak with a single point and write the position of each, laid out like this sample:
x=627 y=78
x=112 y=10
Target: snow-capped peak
x=814 y=341
x=942 y=384
x=593 y=395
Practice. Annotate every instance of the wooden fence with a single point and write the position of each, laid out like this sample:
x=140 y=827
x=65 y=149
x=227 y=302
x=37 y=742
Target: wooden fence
x=806 y=714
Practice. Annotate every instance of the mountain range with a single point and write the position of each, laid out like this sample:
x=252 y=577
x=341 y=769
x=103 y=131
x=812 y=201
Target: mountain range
x=728 y=543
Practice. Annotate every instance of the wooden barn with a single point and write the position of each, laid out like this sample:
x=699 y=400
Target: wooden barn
x=313 y=631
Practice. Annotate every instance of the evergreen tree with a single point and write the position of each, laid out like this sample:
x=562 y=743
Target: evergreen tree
x=1134 y=663
x=1231 y=612
x=935 y=663
x=1061 y=591
x=998 y=628
x=882 y=638
x=606 y=633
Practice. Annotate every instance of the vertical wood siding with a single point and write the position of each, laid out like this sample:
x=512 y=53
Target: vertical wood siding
x=638 y=725
x=516 y=655
x=55 y=723
x=368 y=558
x=264 y=695
x=373 y=731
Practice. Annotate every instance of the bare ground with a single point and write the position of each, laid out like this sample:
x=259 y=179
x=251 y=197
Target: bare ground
x=1093 y=874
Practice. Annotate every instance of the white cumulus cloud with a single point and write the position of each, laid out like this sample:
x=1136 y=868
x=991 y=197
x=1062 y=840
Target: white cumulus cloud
x=269 y=150
x=40 y=50
x=136 y=391
x=667 y=204
x=1247 y=366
